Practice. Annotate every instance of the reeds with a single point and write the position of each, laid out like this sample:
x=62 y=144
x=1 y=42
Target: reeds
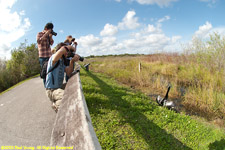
x=197 y=78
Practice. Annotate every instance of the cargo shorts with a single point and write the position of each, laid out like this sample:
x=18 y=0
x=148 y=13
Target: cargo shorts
x=55 y=97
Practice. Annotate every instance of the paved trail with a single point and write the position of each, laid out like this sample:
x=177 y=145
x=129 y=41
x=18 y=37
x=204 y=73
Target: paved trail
x=26 y=116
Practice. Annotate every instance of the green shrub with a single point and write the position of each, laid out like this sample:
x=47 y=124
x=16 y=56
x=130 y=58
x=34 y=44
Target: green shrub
x=24 y=63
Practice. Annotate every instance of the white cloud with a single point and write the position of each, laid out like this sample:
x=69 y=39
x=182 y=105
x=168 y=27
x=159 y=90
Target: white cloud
x=219 y=30
x=6 y=3
x=89 y=41
x=211 y=3
x=61 y=31
x=129 y=21
x=152 y=41
x=12 y=26
x=151 y=29
x=109 y=30
x=175 y=38
x=164 y=19
x=149 y=39
x=9 y=21
x=161 y=20
x=118 y=0
x=156 y=29
x=91 y=45
x=203 y=30
x=22 y=13
x=139 y=42
x=108 y=41
x=161 y=3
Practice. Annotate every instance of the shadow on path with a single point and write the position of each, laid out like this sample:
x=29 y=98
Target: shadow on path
x=154 y=136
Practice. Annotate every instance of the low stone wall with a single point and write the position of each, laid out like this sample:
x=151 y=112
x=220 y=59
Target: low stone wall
x=73 y=126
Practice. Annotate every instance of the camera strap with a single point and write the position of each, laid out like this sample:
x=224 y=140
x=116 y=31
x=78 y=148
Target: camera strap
x=66 y=49
x=49 y=41
x=65 y=61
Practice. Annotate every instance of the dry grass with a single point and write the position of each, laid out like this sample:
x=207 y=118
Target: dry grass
x=202 y=89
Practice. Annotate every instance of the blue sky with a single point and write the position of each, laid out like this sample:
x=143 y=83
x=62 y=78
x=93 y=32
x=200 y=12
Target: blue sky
x=104 y=27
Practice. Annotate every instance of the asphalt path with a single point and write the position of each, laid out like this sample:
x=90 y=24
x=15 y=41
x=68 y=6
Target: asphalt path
x=26 y=116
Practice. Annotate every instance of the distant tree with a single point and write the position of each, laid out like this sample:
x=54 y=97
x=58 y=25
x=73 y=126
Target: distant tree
x=2 y=64
x=23 y=64
x=3 y=74
x=31 y=61
x=15 y=65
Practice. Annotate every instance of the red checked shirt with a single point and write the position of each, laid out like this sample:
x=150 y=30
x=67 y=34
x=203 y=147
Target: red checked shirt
x=44 y=45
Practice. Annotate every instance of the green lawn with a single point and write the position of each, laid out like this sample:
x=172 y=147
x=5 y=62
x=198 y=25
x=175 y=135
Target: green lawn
x=124 y=119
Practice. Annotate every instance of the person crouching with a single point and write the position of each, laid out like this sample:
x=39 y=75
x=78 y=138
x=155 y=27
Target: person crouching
x=54 y=79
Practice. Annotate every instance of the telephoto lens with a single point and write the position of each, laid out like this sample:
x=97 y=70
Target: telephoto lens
x=81 y=58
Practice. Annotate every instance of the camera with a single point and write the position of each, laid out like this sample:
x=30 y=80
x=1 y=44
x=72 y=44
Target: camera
x=81 y=58
x=71 y=54
x=53 y=33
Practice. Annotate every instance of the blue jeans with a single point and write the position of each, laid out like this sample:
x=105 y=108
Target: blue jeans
x=68 y=63
x=41 y=61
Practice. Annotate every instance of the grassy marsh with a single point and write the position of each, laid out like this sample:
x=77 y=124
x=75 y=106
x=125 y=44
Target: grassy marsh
x=127 y=119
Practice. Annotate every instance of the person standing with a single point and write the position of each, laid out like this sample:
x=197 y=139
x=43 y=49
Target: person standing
x=70 y=41
x=44 y=41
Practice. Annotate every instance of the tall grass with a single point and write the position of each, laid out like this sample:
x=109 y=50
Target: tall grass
x=127 y=119
x=197 y=78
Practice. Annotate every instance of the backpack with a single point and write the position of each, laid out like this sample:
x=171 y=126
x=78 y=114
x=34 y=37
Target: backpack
x=44 y=67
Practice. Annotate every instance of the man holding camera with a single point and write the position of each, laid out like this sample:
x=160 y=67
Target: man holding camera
x=54 y=79
x=70 y=41
x=45 y=40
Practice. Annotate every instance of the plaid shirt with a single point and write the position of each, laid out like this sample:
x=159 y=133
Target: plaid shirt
x=44 y=46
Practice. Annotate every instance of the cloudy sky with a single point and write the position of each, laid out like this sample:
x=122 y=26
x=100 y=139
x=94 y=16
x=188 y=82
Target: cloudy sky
x=104 y=27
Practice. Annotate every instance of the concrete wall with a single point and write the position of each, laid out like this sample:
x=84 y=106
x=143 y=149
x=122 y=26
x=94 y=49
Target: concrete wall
x=73 y=126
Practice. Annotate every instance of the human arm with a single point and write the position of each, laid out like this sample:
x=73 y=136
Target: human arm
x=51 y=39
x=74 y=44
x=59 y=54
x=62 y=51
x=43 y=35
x=70 y=68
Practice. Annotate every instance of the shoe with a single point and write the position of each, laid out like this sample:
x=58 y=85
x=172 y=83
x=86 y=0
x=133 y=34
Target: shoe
x=54 y=107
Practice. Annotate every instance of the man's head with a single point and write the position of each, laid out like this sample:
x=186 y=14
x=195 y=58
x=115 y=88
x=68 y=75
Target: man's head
x=49 y=26
x=69 y=39
x=69 y=48
x=59 y=45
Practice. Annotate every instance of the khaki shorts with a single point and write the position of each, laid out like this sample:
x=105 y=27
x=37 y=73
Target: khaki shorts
x=55 y=96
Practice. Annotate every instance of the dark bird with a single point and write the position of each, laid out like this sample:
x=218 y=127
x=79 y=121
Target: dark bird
x=164 y=101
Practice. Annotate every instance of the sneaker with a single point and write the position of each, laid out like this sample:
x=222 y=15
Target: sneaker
x=54 y=107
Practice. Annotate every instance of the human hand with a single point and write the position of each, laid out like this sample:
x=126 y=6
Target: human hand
x=48 y=33
x=71 y=48
x=75 y=58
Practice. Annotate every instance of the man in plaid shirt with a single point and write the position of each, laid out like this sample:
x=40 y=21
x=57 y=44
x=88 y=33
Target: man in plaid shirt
x=44 y=40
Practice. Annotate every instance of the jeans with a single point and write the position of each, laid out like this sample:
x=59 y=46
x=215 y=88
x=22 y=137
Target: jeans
x=68 y=64
x=41 y=61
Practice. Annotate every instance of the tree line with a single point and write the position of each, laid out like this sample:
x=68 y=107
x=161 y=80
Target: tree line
x=23 y=64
